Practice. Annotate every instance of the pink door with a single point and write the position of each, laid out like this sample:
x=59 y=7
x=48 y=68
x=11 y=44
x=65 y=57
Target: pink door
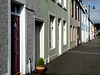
x=15 y=49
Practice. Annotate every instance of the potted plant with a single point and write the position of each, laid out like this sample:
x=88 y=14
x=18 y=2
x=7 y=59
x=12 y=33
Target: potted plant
x=40 y=66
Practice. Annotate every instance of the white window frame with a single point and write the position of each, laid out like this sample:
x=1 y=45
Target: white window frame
x=82 y=18
x=64 y=32
x=71 y=33
x=53 y=32
x=59 y=2
x=65 y=4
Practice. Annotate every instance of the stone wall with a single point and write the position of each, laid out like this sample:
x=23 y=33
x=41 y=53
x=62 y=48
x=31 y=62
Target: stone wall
x=32 y=5
x=3 y=36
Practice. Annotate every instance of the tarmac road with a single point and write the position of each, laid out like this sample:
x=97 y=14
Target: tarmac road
x=83 y=60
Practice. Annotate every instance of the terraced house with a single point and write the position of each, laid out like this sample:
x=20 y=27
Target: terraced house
x=17 y=36
x=31 y=29
x=84 y=24
x=55 y=16
x=75 y=23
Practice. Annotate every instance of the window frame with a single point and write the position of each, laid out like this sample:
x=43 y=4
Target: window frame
x=59 y=2
x=65 y=4
x=72 y=8
x=76 y=11
x=53 y=43
x=64 y=32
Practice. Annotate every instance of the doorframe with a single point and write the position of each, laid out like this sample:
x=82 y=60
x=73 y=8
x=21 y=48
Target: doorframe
x=60 y=34
x=42 y=51
x=23 y=37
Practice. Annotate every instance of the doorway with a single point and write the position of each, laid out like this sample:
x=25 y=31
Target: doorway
x=39 y=40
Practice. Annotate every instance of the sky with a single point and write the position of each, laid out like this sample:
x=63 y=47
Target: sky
x=94 y=13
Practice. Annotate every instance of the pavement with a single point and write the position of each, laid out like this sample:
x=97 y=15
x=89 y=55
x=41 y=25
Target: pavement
x=83 y=60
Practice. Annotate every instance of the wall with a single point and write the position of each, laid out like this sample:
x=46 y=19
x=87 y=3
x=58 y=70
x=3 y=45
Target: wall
x=51 y=6
x=3 y=36
x=76 y=24
x=33 y=5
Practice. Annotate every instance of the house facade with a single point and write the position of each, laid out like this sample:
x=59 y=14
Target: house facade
x=56 y=28
x=91 y=30
x=84 y=24
x=17 y=45
x=32 y=29
x=75 y=23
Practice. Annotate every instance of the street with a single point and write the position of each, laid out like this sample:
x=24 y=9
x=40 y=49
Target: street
x=83 y=60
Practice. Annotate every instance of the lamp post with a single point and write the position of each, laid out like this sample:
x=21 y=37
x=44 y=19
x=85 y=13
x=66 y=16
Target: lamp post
x=93 y=7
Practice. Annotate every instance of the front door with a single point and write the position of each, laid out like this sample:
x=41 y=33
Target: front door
x=15 y=49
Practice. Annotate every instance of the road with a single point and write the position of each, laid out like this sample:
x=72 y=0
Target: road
x=83 y=60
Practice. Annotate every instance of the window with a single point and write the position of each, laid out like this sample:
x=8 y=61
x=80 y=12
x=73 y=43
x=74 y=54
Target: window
x=76 y=11
x=52 y=32
x=64 y=2
x=59 y=3
x=15 y=8
x=82 y=18
x=72 y=8
x=71 y=33
x=64 y=33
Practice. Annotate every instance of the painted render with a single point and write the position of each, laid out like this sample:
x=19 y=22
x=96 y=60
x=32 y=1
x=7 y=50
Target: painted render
x=29 y=14
x=3 y=36
x=29 y=10
x=47 y=8
x=75 y=26
x=91 y=29
x=84 y=25
x=83 y=38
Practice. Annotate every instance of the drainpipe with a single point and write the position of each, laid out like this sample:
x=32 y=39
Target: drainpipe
x=89 y=20
x=29 y=65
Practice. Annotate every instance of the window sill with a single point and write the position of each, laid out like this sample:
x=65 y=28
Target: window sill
x=52 y=49
x=54 y=0
x=64 y=8
x=72 y=16
x=59 y=4
x=64 y=45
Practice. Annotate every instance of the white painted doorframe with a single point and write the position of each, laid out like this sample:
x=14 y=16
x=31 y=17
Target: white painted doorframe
x=42 y=49
x=60 y=36
x=23 y=38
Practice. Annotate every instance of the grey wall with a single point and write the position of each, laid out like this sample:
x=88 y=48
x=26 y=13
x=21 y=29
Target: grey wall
x=33 y=5
x=3 y=36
